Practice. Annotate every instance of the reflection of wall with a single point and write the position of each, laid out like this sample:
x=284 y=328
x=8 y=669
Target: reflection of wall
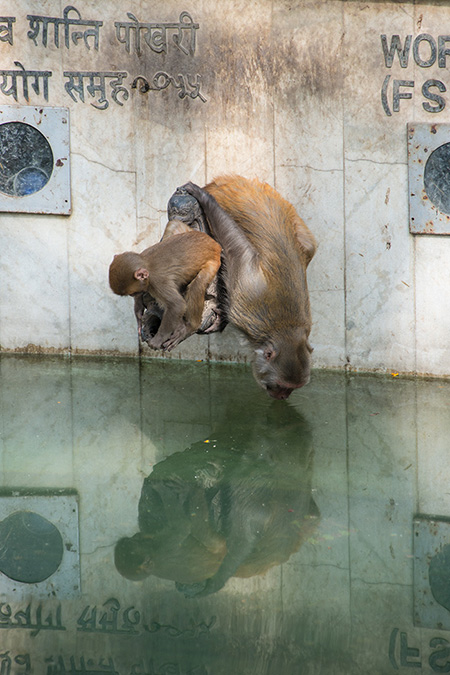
x=288 y=92
x=343 y=603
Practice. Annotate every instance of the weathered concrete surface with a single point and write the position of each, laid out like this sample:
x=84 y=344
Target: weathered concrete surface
x=290 y=92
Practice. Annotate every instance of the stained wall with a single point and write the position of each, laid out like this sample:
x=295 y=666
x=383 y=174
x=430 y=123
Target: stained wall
x=299 y=94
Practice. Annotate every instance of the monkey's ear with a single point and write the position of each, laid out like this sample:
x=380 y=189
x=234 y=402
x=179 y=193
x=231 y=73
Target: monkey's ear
x=306 y=240
x=269 y=352
x=141 y=274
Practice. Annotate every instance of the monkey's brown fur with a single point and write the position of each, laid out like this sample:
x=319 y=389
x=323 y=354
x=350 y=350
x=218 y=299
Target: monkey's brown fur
x=267 y=248
x=176 y=273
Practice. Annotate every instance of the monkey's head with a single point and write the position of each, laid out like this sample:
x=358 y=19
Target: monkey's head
x=282 y=364
x=127 y=274
x=132 y=557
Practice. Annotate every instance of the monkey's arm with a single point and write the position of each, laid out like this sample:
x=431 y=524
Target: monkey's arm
x=196 y=291
x=245 y=522
x=173 y=329
x=235 y=244
x=183 y=316
x=175 y=227
x=139 y=309
x=240 y=550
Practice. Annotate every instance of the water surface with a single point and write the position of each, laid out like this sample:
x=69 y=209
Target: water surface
x=169 y=518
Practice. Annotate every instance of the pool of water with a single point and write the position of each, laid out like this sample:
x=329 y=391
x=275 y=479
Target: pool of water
x=165 y=518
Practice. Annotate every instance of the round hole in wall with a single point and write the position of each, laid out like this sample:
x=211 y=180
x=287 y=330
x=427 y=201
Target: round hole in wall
x=26 y=159
x=31 y=547
x=437 y=178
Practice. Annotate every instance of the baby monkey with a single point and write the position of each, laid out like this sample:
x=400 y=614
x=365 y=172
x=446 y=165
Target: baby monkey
x=176 y=272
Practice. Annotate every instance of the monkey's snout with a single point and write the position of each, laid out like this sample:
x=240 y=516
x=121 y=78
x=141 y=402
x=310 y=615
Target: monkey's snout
x=279 y=393
x=282 y=391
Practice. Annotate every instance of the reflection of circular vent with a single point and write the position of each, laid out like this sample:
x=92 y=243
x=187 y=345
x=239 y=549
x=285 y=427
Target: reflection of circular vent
x=31 y=547
x=437 y=178
x=439 y=576
x=26 y=159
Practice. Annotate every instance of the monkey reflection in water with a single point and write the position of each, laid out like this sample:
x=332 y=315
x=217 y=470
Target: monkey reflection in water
x=235 y=506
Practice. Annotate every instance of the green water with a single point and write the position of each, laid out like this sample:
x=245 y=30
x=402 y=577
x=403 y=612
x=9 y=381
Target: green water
x=170 y=519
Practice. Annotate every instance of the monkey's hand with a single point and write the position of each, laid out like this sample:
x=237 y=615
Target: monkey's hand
x=211 y=322
x=169 y=342
x=224 y=229
x=195 y=191
x=201 y=588
x=191 y=590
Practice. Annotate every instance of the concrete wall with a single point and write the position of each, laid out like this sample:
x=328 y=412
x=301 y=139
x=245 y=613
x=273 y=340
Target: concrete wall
x=290 y=92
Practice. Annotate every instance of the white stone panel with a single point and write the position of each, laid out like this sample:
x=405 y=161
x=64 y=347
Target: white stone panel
x=307 y=188
x=103 y=224
x=432 y=304
x=382 y=477
x=433 y=428
x=380 y=271
x=368 y=132
x=36 y=431
x=308 y=85
x=106 y=398
x=327 y=310
x=231 y=341
x=34 y=300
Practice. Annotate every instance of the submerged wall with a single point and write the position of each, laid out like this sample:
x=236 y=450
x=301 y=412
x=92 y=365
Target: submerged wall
x=302 y=95
x=367 y=451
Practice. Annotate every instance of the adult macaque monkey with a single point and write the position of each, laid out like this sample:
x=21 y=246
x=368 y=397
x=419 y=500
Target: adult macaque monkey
x=267 y=248
x=176 y=273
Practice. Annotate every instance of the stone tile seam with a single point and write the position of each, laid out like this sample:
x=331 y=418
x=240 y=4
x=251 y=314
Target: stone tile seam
x=373 y=161
x=327 y=290
x=312 y=168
